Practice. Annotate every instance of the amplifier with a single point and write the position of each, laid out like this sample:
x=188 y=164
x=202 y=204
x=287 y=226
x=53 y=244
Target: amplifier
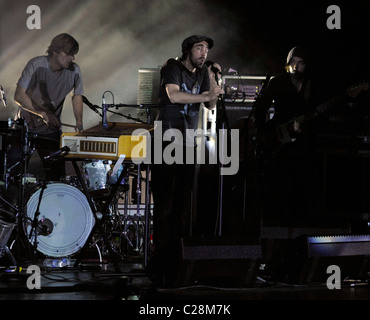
x=109 y=144
x=242 y=89
x=148 y=85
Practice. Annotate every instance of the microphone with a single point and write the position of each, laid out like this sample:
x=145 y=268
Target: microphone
x=3 y=98
x=104 y=115
x=63 y=150
x=103 y=102
x=90 y=105
x=215 y=70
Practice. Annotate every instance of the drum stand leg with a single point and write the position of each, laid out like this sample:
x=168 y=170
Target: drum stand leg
x=25 y=155
x=9 y=254
x=147 y=216
x=98 y=223
x=145 y=223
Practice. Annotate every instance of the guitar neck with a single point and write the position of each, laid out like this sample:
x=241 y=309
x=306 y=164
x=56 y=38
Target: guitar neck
x=320 y=109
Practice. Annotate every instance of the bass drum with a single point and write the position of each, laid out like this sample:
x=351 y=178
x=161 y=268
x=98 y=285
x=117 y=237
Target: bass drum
x=65 y=221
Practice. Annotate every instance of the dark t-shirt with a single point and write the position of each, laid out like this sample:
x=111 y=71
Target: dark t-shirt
x=288 y=103
x=181 y=116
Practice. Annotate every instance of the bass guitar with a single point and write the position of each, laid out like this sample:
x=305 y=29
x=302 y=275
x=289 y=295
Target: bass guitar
x=275 y=138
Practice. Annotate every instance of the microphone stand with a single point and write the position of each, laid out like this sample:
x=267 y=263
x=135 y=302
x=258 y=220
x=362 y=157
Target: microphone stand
x=251 y=140
x=222 y=122
x=105 y=109
x=35 y=222
x=258 y=98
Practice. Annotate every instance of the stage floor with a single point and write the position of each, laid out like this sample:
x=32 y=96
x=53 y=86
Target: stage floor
x=102 y=281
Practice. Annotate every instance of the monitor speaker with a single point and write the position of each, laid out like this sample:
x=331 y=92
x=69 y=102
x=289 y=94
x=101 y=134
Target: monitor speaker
x=348 y=252
x=309 y=259
x=219 y=264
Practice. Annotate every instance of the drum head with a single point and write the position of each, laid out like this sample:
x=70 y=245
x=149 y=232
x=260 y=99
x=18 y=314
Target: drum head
x=66 y=212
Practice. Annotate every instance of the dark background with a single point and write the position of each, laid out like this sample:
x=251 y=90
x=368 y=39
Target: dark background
x=118 y=37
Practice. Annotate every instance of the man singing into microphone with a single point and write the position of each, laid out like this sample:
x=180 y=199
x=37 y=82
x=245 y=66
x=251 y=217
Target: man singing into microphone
x=41 y=90
x=185 y=83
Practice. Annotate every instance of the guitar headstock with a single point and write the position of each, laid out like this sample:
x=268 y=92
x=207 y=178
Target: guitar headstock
x=353 y=91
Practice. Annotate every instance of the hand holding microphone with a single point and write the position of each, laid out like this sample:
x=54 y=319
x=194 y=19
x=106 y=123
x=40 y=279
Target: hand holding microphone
x=2 y=96
x=214 y=70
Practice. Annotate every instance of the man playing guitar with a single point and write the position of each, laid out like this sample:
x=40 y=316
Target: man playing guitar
x=291 y=169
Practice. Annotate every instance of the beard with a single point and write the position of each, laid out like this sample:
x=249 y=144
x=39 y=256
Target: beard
x=295 y=73
x=196 y=63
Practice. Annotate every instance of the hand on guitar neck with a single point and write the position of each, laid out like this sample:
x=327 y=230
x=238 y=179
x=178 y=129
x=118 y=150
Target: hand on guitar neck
x=280 y=134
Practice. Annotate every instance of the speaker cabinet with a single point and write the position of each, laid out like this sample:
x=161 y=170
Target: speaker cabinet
x=219 y=264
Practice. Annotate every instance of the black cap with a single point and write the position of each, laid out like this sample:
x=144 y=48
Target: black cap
x=188 y=43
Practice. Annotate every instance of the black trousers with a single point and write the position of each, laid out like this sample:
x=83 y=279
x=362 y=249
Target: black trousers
x=172 y=194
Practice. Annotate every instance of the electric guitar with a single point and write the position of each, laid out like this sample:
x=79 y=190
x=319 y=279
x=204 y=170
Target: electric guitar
x=284 y=133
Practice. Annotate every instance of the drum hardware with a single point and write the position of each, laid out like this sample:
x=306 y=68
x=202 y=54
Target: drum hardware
x=138 y=225
x=124 y=231
x=9 y=205
x=138 y=194
x=26 y=152
x=5 y=232
x=132 y=231
x=96 y=177
x=99 y=184
x=59 y=153
x=98 y=222
x=35 y=223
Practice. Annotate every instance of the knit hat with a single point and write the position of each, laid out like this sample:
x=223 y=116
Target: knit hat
x=297 y=52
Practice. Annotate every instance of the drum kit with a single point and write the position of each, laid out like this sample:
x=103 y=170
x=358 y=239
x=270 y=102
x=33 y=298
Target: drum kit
x=68 y=218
